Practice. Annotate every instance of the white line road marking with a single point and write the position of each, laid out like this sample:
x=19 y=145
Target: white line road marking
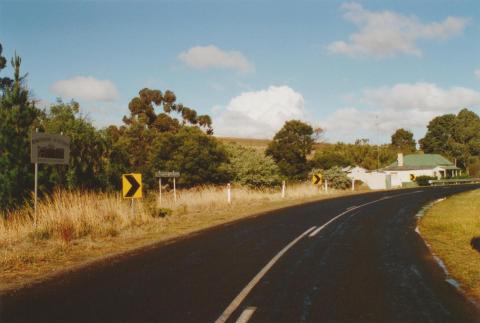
x=352 y=208
x=240 y=297
x=246 y=315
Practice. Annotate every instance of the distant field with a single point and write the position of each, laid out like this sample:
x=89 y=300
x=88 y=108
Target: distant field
x=449 y=228
x=260 y=144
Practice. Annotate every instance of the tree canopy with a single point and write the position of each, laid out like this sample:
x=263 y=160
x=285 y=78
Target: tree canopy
x=290 y=147
x=402 y=141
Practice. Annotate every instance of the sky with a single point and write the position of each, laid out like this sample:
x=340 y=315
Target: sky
x=358 y=69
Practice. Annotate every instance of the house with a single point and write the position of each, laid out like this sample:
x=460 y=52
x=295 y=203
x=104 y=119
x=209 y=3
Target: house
x=408 y=167
x=405 y=170
x=373 y=179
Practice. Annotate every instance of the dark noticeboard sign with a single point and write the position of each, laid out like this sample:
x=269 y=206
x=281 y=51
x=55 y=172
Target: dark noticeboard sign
x=50 y=148
x=167 y=174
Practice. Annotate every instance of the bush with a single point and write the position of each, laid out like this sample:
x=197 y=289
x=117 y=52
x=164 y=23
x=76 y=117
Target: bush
x=161 y=212
x=252 y=168
x=424 y=180
x=337 y=178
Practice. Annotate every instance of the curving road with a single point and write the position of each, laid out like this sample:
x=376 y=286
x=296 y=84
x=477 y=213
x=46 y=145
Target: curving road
x=350 y=259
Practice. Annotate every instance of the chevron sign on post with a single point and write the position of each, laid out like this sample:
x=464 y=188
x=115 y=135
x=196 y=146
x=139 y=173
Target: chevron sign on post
x=317 y=179
x=132 y=186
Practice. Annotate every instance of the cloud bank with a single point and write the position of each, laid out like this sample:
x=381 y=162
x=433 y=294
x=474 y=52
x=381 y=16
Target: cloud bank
x=85 y=88
x=205 y=57
x=259 y=114
x=386 y=33
x=403 y=105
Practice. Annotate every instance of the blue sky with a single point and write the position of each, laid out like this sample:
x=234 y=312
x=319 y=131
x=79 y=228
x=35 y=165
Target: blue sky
x=358 y=69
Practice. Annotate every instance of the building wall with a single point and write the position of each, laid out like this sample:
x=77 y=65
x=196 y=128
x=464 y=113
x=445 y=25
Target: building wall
x=399 y=177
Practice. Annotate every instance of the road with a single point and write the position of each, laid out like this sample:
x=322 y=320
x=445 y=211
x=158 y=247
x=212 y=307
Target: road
x=350 y=259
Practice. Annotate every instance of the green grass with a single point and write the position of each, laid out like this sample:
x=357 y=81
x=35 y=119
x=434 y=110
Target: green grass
x=449 y=227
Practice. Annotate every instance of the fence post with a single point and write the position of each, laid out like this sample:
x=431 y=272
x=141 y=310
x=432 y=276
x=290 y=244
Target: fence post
x=283 y=189
x=229 y=193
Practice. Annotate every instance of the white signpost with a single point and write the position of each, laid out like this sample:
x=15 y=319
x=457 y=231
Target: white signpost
x=52 y=149
x=165 y=174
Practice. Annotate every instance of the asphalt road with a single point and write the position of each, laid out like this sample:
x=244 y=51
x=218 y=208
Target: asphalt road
x=350 y=259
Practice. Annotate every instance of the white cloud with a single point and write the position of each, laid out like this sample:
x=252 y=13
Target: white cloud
x=477 y=73
x=86 y=88
x=204 y=57
x=260 y=114
x=386 y=33
x=386 y=109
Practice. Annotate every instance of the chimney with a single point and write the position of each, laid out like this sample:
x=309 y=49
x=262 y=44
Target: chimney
x=400 y=159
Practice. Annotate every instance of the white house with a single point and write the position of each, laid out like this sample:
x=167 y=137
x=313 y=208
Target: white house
x=408 y=167
x=405 y=170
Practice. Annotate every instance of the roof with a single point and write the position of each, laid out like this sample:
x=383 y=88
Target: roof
x=422 y=161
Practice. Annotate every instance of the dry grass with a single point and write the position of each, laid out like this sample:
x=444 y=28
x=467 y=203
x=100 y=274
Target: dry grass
x=75 y=228
x=449 y=227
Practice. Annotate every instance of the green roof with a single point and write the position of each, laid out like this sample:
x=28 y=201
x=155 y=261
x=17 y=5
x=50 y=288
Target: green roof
x=422 y=161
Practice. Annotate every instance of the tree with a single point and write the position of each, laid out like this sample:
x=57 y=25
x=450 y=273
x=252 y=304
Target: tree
x=252 y=168
x=439 y=132
x=86 y=168
x=17 y=117
x=454 y=136
x=290 y=147
x=201 y=159
x=402 y=141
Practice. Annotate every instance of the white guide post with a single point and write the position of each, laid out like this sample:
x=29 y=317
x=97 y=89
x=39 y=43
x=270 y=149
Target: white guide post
x=160 y=191
x=174 y=192
x=283 y=189
x=326 y=185
x=36 y=192
x=353 y=184
x=229 y=193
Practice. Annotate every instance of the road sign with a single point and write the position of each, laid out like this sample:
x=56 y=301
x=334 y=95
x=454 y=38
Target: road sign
x=413 y=177
x=317 y=179
x=167 y=174
x=49 y=149
x=132 y=186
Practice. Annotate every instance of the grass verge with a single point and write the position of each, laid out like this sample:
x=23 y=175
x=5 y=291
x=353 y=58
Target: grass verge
x=449 y=227
x=77 y=228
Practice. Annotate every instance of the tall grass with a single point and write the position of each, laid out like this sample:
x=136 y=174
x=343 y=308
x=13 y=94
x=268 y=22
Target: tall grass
x=76 y=226
x=67 y=215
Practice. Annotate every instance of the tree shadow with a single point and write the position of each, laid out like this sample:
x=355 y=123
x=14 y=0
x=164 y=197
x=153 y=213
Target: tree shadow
x=475 y=243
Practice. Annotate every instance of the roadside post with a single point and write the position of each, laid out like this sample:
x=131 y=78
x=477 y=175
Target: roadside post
x=167 y=174
x=132 y=188
x=229 y=194
x=283 y=189
x=326 y=185
x=353 y=184
x=52 y=149
x=317 y=180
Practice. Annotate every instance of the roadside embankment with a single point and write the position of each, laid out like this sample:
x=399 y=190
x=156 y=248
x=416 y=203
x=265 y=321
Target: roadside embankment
x=76 y=228
x=451 y=228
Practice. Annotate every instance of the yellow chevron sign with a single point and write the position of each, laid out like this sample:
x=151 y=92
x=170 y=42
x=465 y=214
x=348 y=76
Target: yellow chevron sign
x=317 y=179
x=132 y=186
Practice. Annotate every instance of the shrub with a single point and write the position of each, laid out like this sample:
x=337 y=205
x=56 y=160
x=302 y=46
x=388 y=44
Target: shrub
x=252 y=168
x=424 y=180
x=162 y=212
x=337 y=178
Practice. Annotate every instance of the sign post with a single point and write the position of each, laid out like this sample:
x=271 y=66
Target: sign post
x=283 y=189
x=165 y=174
x=52 y=149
